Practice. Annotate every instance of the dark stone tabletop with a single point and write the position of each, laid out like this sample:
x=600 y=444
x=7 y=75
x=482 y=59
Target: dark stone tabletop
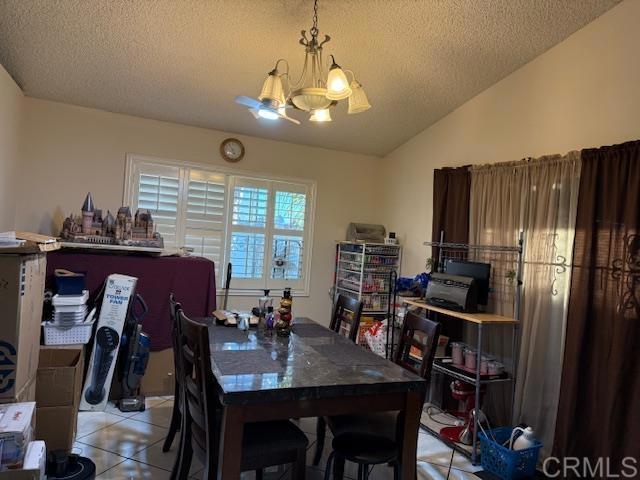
x=258 y=366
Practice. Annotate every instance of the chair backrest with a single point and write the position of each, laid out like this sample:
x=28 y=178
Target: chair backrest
x=421 y=334
x=346 y=310
x=201 y=403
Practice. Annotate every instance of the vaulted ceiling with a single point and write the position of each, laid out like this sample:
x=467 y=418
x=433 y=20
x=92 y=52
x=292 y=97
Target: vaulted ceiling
x=185 y=61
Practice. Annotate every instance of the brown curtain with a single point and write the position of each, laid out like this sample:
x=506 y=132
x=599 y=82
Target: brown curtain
x=451 y=187
x=599 y=410
x=451 y=193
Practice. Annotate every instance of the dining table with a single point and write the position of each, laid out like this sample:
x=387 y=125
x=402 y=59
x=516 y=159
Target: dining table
x=313 y=372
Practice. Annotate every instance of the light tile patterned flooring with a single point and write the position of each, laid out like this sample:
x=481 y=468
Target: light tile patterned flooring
x=129 y=446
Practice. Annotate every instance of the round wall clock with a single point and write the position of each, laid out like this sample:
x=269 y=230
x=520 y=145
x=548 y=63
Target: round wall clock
x=232 y=150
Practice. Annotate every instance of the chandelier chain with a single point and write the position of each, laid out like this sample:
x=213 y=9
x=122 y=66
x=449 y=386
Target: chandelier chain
x=314 y=29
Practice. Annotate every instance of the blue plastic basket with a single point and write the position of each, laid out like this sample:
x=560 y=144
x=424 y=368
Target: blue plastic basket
x=503 y=462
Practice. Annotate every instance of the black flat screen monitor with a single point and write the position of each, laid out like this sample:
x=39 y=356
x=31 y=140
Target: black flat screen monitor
x=480 y=272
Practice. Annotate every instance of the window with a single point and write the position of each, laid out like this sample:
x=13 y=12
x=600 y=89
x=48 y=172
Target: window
x=262 y=225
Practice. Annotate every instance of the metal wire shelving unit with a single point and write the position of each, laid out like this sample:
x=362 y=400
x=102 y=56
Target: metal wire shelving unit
x=367 y=271
x=506 y=287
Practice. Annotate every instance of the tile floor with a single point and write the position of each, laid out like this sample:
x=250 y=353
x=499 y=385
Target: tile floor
x=129 y=446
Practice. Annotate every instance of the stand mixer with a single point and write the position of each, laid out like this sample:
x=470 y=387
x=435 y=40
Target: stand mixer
x=466 y=393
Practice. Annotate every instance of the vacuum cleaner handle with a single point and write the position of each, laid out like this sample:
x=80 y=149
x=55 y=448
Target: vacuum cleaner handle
x=138 y=317
x=226 y=286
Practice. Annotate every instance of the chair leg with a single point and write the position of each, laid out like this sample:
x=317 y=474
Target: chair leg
x=299 y=469
x=362 y=471
x=175 y=421
x=327 y=470
x=338 y=468
x=321 y=428
x=259 y=474
x=179 y=455
x=185 y=457
x=396 y=471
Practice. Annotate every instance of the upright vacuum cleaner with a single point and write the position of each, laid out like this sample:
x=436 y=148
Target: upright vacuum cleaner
x=133 y=358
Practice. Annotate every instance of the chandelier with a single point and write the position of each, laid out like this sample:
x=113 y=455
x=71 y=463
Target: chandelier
x=315 y=92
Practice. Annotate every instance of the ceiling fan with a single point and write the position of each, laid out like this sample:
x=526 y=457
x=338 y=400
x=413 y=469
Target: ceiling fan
x=264 y=109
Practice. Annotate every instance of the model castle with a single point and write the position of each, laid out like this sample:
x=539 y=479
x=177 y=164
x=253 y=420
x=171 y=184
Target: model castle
x=123 y=229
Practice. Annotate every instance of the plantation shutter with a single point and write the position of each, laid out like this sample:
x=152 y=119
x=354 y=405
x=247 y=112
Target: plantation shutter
x=248 y=231
x=157 y=189
x=288 y=227
x=262 y=226
x=204 y=217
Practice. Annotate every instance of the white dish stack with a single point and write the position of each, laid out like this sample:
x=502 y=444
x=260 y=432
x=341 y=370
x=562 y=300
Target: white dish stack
x=69 y=310
x=69 y=324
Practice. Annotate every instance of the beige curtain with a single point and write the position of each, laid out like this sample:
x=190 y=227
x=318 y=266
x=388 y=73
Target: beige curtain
x=538 y=197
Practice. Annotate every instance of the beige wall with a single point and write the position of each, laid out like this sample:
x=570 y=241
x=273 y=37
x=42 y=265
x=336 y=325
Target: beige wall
x=11 y=103
x=584 y=92
x=70 y=150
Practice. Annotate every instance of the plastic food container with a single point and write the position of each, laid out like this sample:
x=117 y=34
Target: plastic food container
x=457 y=353
x=470 y=358
x=495 y=368
x=484 y=365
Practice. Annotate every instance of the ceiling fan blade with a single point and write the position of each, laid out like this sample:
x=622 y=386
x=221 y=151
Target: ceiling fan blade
x=248 y=101
x=292 y=120
x=255 y=105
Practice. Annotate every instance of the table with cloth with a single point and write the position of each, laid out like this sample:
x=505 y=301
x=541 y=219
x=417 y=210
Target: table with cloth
x=191 y=279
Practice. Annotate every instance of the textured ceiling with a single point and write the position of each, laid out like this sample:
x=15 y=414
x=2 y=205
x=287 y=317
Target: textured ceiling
x=184 y=61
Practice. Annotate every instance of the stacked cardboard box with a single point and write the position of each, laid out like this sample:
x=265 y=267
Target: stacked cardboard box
x=15 y=432
x=58 y=386
x=21 y=297
x=33 y=464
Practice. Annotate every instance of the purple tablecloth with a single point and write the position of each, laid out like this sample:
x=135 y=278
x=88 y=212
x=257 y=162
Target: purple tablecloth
x=191 y=279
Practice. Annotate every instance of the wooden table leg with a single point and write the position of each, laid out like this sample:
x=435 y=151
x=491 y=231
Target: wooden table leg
x=230 y=456
x=411 y=424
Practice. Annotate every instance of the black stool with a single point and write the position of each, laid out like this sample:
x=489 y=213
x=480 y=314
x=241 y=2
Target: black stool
x=365 y=450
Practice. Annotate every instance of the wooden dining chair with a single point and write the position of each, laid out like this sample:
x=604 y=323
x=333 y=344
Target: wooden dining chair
x=264 y=444
x=370 y=431
x=346 y=310
x=176 y=414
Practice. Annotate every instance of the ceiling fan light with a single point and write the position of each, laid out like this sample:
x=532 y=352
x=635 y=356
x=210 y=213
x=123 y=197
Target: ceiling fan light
x=267 y=114
x=272 y=90
x=320 y=115
x=337 y=84
x=358 y=101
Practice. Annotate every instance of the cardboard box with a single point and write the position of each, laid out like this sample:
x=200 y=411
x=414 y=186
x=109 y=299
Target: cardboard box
x=21 y=297
x=59 y=382
x=16 y=431
x=33 y=466
x=119 y=290
x=159 y=379
x=59 y=377
x=56 y=426
x=27 y=394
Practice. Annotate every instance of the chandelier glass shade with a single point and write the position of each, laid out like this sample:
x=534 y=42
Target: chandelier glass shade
x=321 y=115
x=358 y=101
x=272 y=93
x=316 y=90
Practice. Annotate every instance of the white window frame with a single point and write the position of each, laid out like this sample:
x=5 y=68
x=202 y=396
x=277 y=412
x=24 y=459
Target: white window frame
x=132 y=169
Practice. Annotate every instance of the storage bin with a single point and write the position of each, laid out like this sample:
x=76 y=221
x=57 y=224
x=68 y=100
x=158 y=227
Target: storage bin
x=78 y=334
x=503 y=462
x=69 y=283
